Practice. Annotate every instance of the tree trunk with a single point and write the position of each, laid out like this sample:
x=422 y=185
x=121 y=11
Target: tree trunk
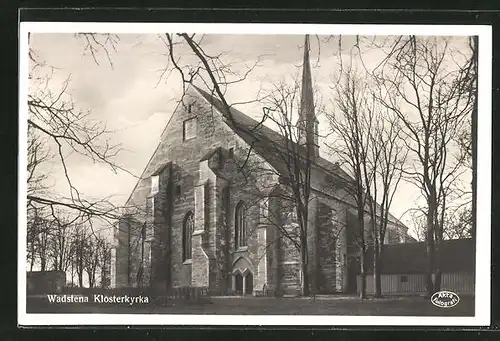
x=305 y=281
x=32 y=256
x=362 y=290
x=437 y=270
x=362 y=247
x=429 y=244
x=376 y=270
x=303 y=269
x=79 y=271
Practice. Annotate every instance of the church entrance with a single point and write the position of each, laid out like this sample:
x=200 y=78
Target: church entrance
x=242 y=277
x=249 y=283
x=238 y=285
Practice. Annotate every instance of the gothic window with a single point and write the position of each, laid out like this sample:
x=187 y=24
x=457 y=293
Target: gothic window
x=240 y=225
x=187 y=231
x=189 y=129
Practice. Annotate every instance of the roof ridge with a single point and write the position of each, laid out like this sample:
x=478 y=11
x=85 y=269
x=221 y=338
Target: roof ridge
x=335 y=167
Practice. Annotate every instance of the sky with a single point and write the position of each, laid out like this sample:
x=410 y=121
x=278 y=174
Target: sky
x=135 y=102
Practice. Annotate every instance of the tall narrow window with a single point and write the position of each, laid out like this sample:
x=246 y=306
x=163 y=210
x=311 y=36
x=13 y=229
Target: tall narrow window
x=240 y=225
x=155 y=184
x=189 y=129
x=187 y=231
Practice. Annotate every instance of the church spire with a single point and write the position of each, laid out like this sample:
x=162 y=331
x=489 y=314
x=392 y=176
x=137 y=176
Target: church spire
x=307 y=123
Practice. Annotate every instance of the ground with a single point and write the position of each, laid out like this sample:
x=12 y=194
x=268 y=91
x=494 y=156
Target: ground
x=394 y=306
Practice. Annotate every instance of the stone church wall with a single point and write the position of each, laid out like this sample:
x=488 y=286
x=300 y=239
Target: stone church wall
x=122 y=252
x=327 y=250
x=185 y=158
x=214 y=250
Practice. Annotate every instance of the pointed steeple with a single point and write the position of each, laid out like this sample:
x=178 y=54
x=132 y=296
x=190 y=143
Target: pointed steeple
x=307 y=123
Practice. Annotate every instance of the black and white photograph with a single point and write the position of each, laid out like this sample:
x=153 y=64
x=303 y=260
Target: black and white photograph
x=254 y=174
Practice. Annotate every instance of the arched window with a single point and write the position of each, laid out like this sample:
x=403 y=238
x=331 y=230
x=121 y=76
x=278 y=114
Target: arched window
x=187 y=231
x=240 y=225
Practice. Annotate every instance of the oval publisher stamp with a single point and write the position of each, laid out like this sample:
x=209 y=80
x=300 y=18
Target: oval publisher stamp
x=445 y=299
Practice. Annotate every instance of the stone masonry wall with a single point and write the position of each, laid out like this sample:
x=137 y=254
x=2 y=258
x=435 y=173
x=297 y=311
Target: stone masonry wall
x=122 y=251
x=160 y=234
x=327 y=250
x=185 y=158
x=312 y=244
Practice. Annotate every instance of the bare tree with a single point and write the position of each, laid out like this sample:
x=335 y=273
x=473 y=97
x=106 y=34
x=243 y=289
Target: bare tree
x=284 y=180
x=286 y=176
x=468 y=148
x=297 y=161
x=57 y=128
x=188 y=57
x=350 y=126
x=426 y=83
x=69 y=129
x=418 y=221
x=388 y=155
x=104 y=265
x=79 y=247
x=92 y=260
x=32 y=232
x=38 y=238
x=459 y=224
x=60 y=243
x=43 y=227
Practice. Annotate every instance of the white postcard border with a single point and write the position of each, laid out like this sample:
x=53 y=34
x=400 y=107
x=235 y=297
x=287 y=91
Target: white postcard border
x=483 y=206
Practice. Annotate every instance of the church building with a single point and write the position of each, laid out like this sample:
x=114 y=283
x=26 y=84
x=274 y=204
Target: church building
x=205 y=213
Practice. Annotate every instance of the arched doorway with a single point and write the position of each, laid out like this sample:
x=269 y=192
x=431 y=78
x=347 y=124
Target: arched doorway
x=242 y=277
x=248 y=283
x=238 y=283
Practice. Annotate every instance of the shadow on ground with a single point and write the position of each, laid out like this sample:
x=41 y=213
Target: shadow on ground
x=333 y=305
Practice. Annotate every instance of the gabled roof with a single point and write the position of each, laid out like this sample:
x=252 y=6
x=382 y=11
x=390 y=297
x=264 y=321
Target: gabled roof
x=259 y=136
x=456 y=255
